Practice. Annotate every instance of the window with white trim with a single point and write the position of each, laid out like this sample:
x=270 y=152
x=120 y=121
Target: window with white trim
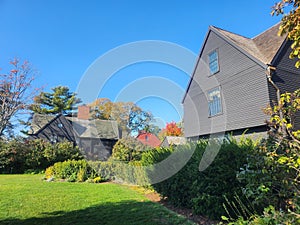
x=213 y=62
x=214 y=101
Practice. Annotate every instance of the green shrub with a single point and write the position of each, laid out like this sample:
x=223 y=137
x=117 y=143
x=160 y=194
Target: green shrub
x=70 y=170
x=81 y=175
x=128 y=149
x=272 y=175
x=132 y=172
x=18 y=156
x=203 y=191
x=105 y=169
x=13 y=156
x=269 y=217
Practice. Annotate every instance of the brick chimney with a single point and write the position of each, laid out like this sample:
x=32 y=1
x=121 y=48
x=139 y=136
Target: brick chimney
x=83 y=112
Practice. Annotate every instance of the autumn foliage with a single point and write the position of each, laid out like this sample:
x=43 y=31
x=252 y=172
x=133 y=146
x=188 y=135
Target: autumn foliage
x=172 y=129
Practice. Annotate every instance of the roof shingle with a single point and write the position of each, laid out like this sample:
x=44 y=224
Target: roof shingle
x=263 y=47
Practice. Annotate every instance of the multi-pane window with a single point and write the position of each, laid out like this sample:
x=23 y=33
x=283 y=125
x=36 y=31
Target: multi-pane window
x=214 y=102
x=213 y=62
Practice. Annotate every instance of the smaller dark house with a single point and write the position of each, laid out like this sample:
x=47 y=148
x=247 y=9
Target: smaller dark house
x=96 y=138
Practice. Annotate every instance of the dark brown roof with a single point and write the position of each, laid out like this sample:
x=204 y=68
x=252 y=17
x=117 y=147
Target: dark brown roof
x=269 y=42
x=263 y=47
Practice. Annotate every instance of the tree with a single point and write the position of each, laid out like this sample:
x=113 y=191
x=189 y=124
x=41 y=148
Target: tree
x=130 y=117
x=61 y=100
x=15 y=93
x=289 y=106
x=128 y=149
x=290 y=24
x=101 y=109
x=153 y=129
x=171 y=129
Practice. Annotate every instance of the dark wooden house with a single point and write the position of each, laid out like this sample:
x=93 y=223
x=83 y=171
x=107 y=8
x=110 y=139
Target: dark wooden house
x=96 y=138
x=229 y=87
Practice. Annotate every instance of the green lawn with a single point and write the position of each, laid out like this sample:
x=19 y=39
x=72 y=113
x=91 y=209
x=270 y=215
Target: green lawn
x=26 y=199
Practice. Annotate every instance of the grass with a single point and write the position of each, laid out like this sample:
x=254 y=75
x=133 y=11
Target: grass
x=26 y=199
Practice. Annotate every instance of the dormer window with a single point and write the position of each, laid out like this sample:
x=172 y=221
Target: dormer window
x=213 y=62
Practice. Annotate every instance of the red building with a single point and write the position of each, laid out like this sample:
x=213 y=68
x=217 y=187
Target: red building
x=148 y=139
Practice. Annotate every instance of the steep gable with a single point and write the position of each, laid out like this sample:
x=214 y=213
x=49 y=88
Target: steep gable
x=39 y=121
x=148 y=139
x=269 y=43
x=263 y=47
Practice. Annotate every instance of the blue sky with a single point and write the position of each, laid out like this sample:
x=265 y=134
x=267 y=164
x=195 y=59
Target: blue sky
x=62 y=39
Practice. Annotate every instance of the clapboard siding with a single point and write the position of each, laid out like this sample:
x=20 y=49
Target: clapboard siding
x=244 y=91
x=286 y=76
x=59 y=129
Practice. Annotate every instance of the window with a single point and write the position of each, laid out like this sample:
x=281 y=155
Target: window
x=214 y=102
x=53 y=139
x=213 y=62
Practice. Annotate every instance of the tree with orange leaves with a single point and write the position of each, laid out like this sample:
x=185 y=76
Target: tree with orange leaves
x=171 y=129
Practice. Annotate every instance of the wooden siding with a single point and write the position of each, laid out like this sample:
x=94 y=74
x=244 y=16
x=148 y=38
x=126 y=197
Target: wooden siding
x=96 y=149
x=244 y=91
x=59 y=129
x=286 y=76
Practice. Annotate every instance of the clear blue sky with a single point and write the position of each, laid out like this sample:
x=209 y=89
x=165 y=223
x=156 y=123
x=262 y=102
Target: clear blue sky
x=61 y=39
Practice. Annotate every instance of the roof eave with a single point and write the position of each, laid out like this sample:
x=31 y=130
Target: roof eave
x=278 y=51
x=46 y=125
x=198 y=59
x=253 y=58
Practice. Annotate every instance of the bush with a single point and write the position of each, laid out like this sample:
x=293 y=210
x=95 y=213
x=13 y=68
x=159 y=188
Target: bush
x=132 y=172
x=104 y=169
x=203 y=191
x=18 y=156
x=13 y=156
x=71 y=170
x=272 y=175
x=269 y=217
x=128 y=149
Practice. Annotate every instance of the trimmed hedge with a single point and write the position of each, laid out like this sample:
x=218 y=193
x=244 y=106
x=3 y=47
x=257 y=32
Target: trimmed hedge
x=205 y=191
x=131 y=173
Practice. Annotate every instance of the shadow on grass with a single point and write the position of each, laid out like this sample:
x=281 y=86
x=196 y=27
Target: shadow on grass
x=126 y=212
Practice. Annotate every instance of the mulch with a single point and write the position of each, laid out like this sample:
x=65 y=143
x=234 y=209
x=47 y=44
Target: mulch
x=188 y=213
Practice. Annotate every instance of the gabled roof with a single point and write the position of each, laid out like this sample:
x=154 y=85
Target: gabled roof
x=262 y=49
x=39 y=121
x=148 y=139
x=105 y=129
